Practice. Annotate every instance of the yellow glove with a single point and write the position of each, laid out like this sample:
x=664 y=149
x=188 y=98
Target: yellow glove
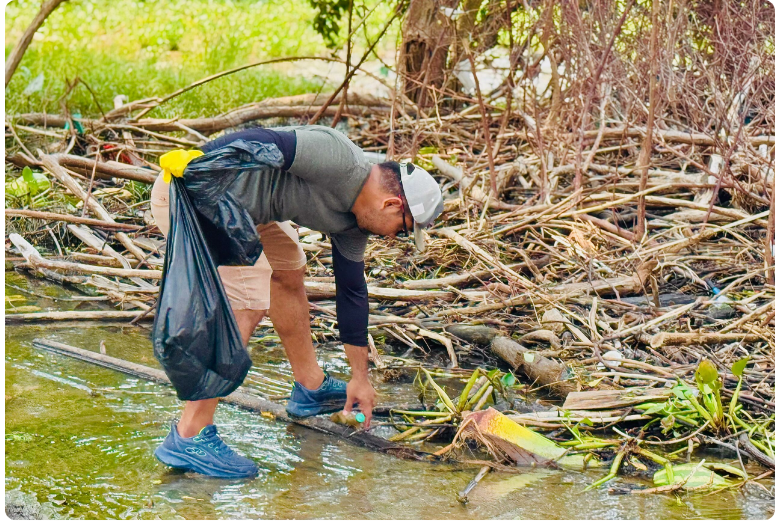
x=174 y=163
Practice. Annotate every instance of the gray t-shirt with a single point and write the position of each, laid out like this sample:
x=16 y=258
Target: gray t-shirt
x=317 y=191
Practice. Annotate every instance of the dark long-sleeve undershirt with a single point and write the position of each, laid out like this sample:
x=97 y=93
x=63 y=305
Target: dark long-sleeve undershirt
x=352 y=300
x=284 y=140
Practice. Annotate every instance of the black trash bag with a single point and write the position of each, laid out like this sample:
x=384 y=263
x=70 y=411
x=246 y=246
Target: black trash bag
x=228 y=228
x=195 y=334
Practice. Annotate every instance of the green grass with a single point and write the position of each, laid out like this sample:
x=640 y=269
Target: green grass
x=151 y=48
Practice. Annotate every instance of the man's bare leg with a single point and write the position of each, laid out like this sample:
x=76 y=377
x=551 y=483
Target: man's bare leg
x=289 y=311
x=198 y=414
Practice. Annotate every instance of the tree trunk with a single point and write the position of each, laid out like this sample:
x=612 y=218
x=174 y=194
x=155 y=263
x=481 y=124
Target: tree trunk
x=427 y=34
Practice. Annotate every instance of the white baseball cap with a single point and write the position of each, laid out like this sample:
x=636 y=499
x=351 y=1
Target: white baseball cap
x=423 y=195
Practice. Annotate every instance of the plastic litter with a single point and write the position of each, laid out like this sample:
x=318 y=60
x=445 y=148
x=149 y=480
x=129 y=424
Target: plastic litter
x=228 y=228
x=195 y=336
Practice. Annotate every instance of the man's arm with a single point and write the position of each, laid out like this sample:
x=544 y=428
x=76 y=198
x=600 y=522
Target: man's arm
x=352 y=313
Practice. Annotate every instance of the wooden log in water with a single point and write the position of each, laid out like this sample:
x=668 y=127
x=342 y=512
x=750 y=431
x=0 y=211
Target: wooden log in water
x=554 y=375
x=755 y=453
x=245 y=400
x=38 y=317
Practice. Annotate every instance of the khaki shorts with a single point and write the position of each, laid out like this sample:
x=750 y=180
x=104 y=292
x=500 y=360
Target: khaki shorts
x=246 y=287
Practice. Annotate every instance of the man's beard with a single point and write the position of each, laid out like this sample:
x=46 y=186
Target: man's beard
x=363 y=225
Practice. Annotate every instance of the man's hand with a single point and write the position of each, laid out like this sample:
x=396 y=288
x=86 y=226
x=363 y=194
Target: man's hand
x=360 y=391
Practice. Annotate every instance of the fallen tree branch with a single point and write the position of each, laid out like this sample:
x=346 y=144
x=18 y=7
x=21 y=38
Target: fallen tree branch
x=52 y=216
x=36 y=317
x=245 y=400
x=51 y=164
x=543 y=371
x=32 y=255
x=460 y=279
x=205 y=125
x=755 y=453
x=663 y=339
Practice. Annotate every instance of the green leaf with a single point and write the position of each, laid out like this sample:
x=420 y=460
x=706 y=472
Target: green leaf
x=682 y=391
x=27 y=175
x=508 y=380
x=705 y=388
x=739 y=366
x=706 y=372
x=28 y=183
x=723 y=467
x=442 y=395
x=703 y=477
x=17 y=188
x=652 y=408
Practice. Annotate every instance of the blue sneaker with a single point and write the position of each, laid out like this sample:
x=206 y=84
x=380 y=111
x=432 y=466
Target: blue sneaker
x=205 y=453
x=331 y=396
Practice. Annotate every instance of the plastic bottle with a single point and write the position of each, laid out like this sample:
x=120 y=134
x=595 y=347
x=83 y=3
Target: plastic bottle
x=352 y=419
x=720 y=308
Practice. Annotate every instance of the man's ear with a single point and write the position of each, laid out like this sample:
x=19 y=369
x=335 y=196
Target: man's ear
x=391 y=203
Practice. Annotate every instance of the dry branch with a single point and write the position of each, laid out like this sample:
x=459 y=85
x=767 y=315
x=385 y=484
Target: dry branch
x=52 y=216
x=13 y=60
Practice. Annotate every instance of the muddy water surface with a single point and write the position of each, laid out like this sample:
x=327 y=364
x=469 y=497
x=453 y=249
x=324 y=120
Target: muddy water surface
x=81 y=438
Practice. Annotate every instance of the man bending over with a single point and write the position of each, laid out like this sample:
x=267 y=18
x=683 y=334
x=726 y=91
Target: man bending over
x=325 y=184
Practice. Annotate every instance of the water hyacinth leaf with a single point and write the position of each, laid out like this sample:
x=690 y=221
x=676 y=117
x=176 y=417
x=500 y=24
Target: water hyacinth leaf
x=36 y=182
x=682 y=391
x=29 y=182
x=706 y=376
x=522 y=445
x=652 y=408
x=702 y=477
x=508 y=380
x=705 y=388
x=442 y=395
x=739 y=366
x=723 y=467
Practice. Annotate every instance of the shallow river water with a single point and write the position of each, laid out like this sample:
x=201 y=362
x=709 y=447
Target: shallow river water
x=81 y=437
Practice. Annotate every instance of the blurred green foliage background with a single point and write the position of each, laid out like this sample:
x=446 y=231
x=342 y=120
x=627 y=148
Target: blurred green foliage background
x=151 y=48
